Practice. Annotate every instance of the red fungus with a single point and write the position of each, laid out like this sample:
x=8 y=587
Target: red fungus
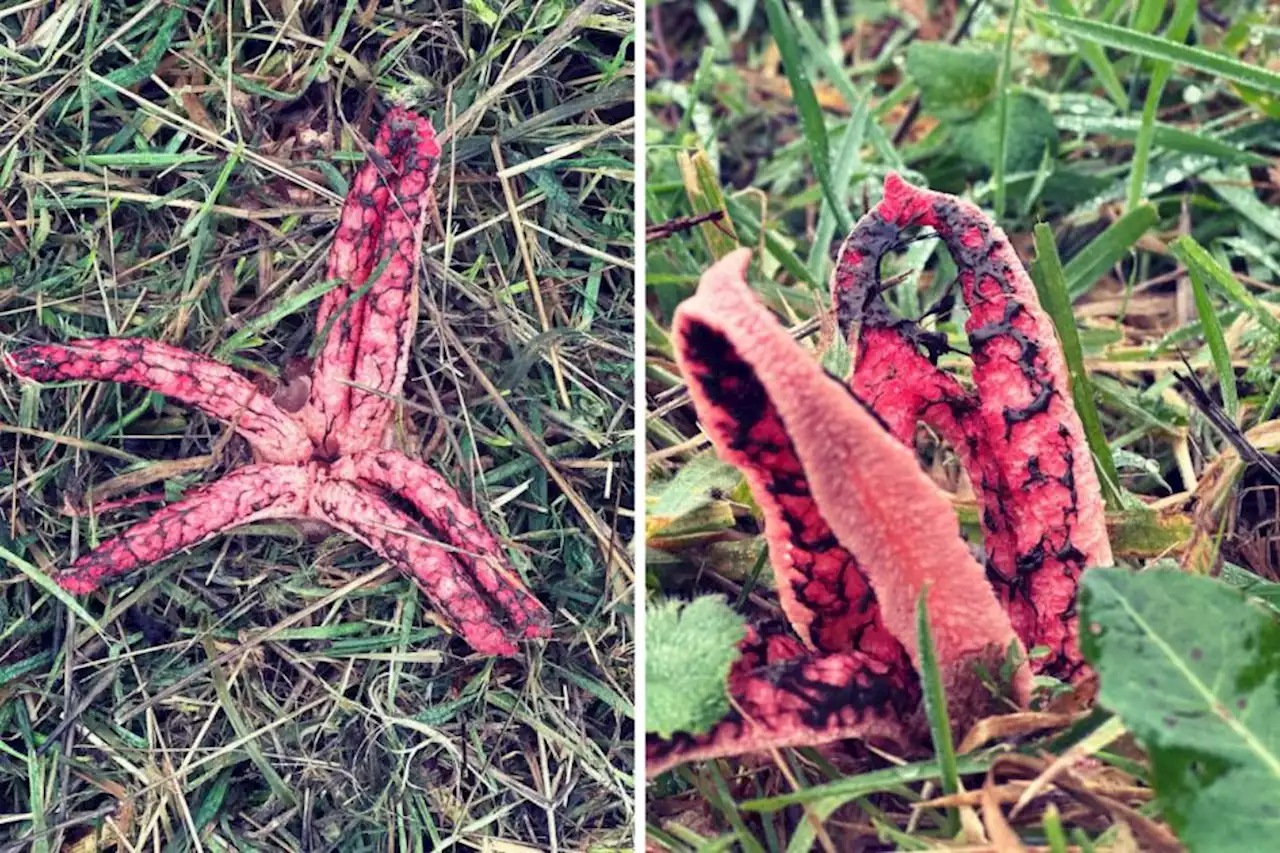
x=325 y=462
x=831 y=480
x=855 y=529
x=210 y=386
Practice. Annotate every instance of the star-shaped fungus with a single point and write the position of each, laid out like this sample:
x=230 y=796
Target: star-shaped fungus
x=856 y=531
x=330 y=461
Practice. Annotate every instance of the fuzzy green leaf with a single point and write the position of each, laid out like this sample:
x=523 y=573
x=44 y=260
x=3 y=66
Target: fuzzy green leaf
x=1031 y=129
x=955 y=82
x=1193 y=669
x=689 y=648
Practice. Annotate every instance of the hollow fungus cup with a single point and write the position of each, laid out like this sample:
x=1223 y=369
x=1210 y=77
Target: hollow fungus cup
x=330 y=460
x=856 y=531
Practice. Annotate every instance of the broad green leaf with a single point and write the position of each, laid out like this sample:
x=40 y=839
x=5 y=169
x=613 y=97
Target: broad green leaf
x=955 y=83
x=1254 y=586
x=694 y=500
x=689 y=648
x=1032 y=129
x=1193 y=669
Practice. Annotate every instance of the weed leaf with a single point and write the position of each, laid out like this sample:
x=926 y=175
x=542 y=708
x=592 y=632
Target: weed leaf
x=1193 y=669
x=689 y=648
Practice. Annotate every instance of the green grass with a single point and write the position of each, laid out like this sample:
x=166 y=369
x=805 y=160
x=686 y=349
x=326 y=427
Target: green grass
x=1130 y=168
x=168 y=172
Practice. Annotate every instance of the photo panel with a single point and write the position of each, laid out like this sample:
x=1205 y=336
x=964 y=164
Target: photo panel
x=960 y=412
x=317 y=426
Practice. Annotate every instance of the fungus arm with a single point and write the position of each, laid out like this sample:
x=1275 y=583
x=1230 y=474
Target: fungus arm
x=822 y=588
x=208 y=385
x=252 y=493
x=813 y=454
x=454 y=522
x=897 y=375
x=809 y=701
x=379 y=237
x=352 y=258
x=1051 y=524
x=366 y=515
x=382 y=360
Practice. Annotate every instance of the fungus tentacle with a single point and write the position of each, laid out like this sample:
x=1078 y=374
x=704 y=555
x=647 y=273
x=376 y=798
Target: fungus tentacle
x=391 y=315
x=866 y=485
x=897 y=375
x=325 y=465
x=379 y=238
x=399 y=539
x=808 y=701
x=248 y=494
x=1042 y=503
x=446 y=515
x=352 y=258
x=208 y=385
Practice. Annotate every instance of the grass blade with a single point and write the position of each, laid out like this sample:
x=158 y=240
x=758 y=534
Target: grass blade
x=876 y=781
x=1197 y=259
x=702 y=188
x=1217 y=344
x=848 y=160
x=750 y=231
x=1156 y=47
x=269 y=318
x=811 y=118
x=46 y=583
x=1165 y=136
x=1176 y=34
x=1002 y=89
x=935 y=708
x=1096 y=59
x=1105 y=250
